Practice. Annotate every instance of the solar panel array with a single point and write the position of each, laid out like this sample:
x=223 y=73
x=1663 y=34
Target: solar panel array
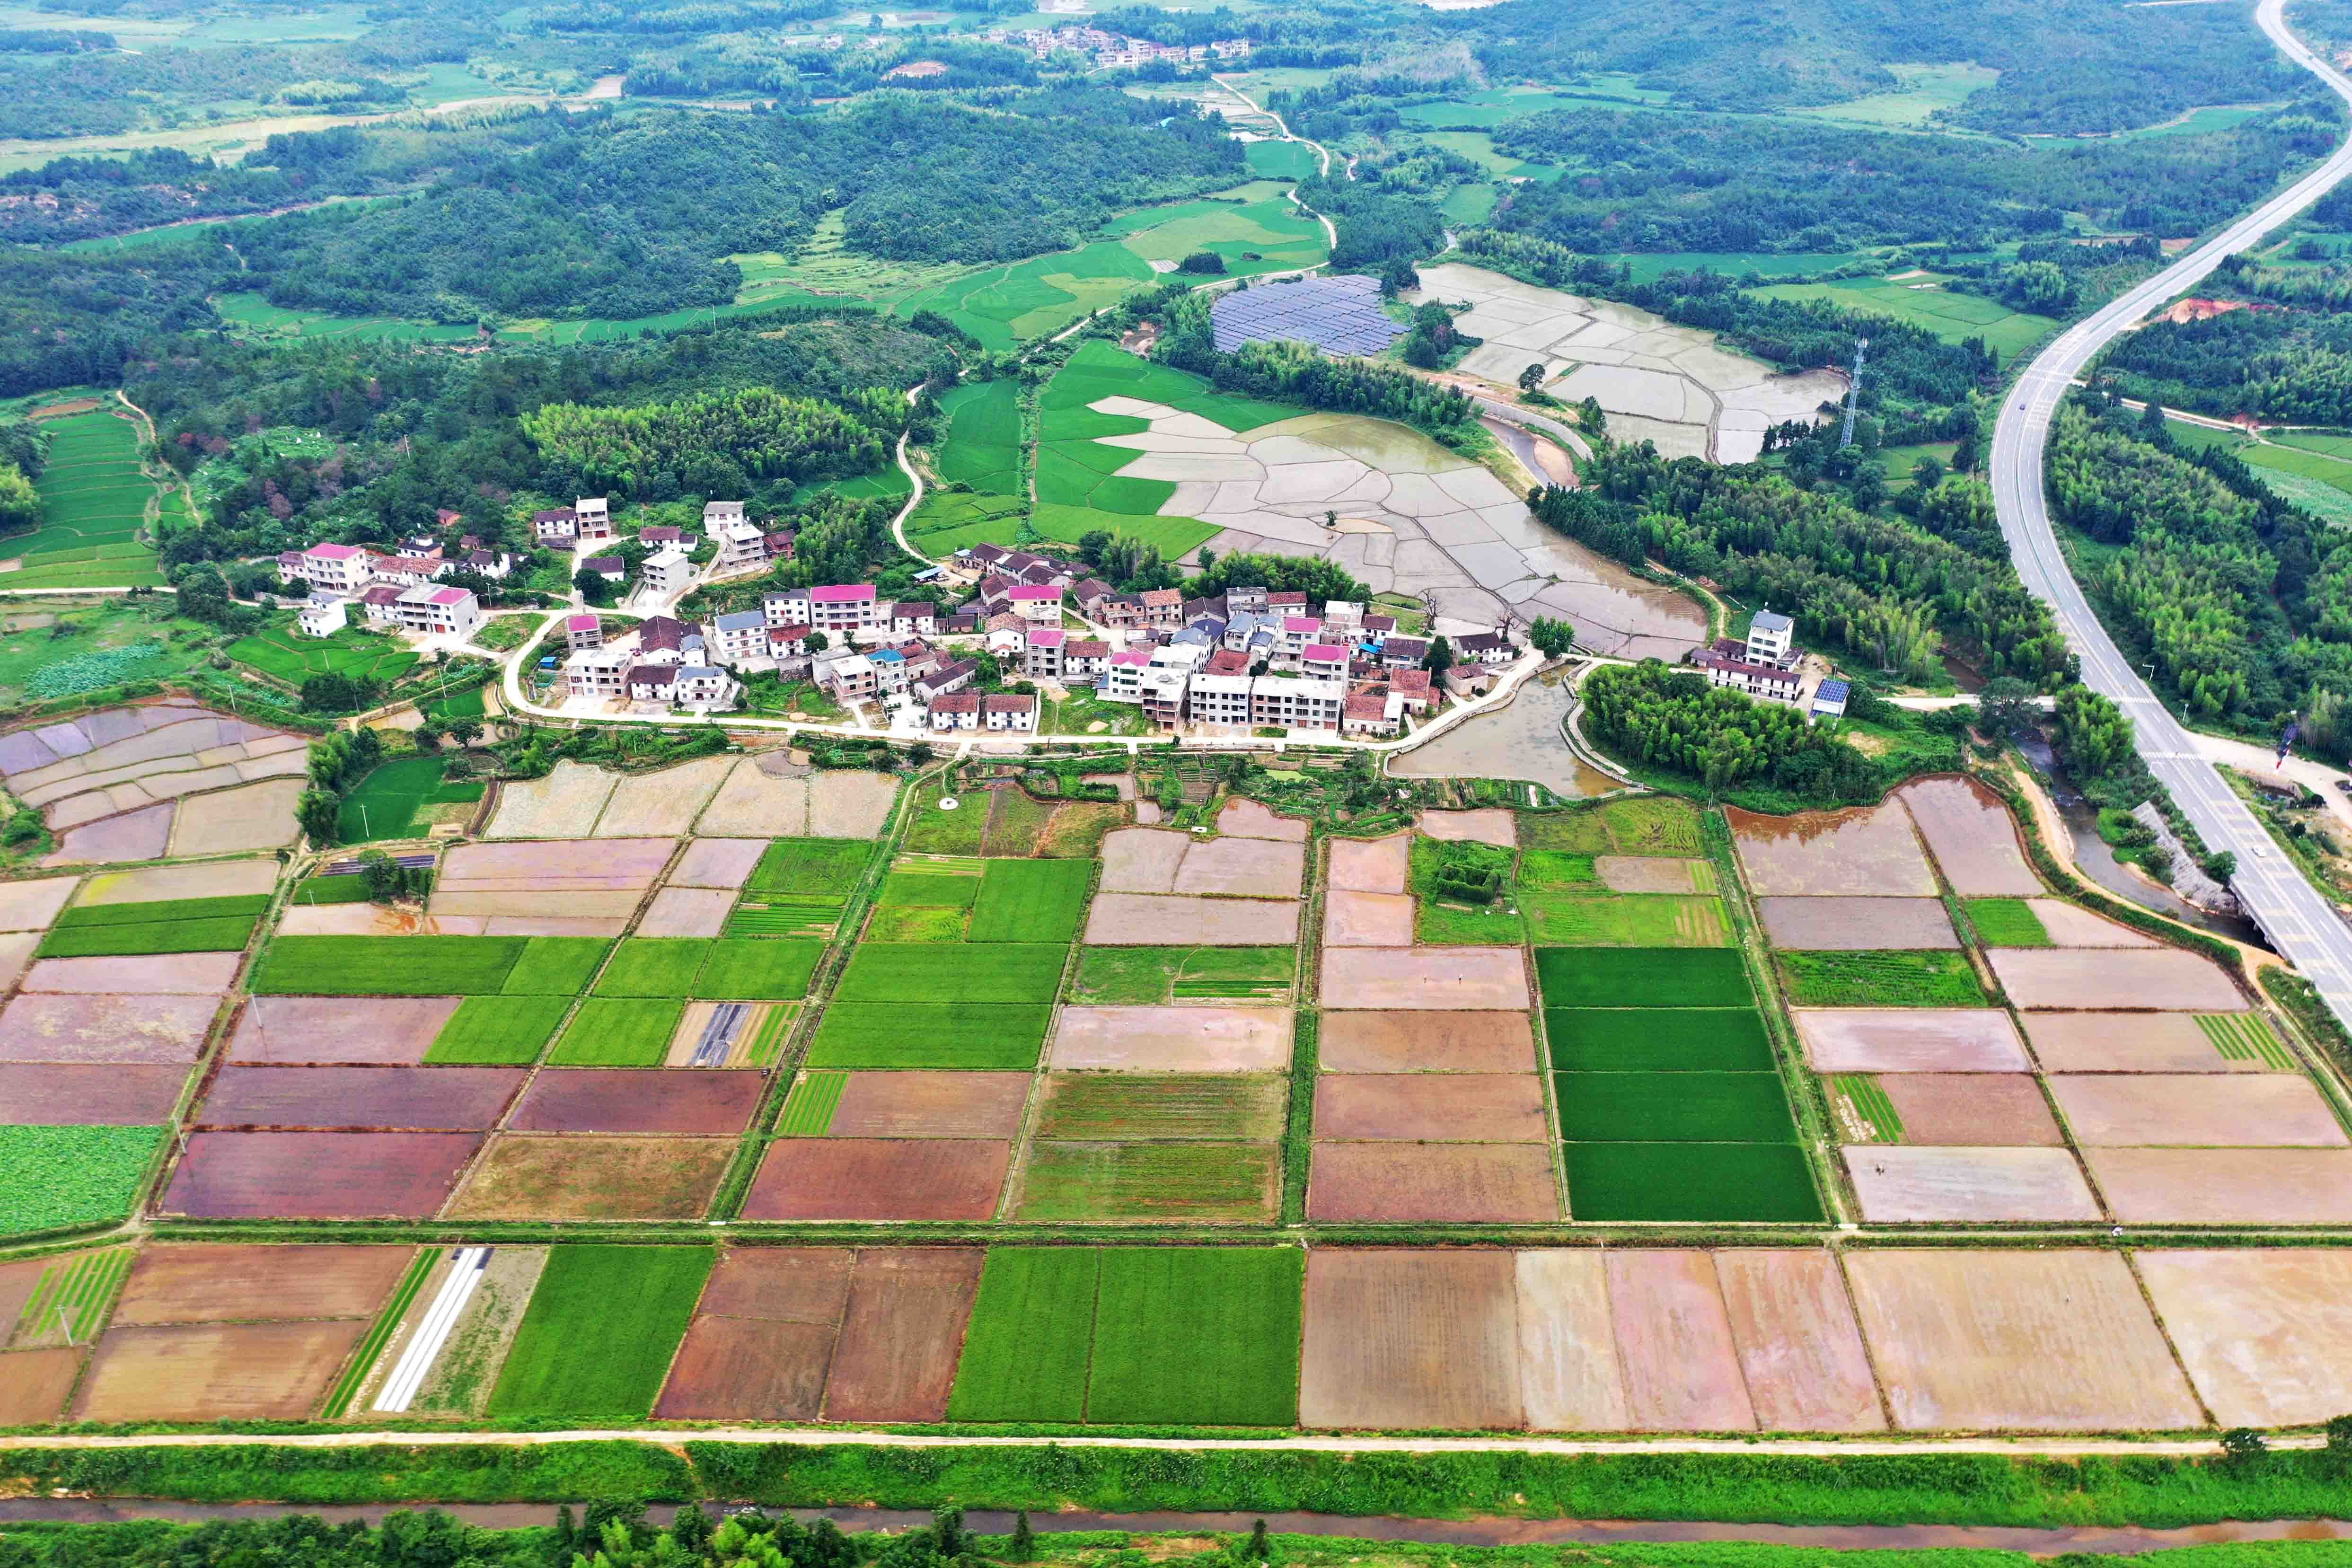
x=1338 y=315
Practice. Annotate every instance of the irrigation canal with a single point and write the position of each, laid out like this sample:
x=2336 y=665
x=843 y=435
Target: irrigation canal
x=1441 y=1532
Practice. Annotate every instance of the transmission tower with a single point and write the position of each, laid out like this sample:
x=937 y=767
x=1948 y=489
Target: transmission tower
x=1852 y=392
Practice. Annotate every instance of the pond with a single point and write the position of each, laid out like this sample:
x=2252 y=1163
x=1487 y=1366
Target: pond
x=1520 y=739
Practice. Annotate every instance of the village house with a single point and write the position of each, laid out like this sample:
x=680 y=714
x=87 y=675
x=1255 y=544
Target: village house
x=1343 y=616
x=495 y=565
x=653 y=538
x=847 y=607
x=942 y=678
x=1199 y=610
x=1287 y=604
x=652 y=683
x=442 y=611
x=1084 y=659
x=1043 y=658
x=788 y=647
x=962 y=623
x=1323 y=661
x=1297 y=631
x=739 y=636
x=1244 y=625
x=1039 y=604
x=1221 y=698
x=1288 y=702
x=702 y=689
x=1161 y=692
x=718 y=515
x=1378 y=630
x=955 y=710
x=381 y=601
x=597 y=672
x=1830 y=699
x=849 y=678
x=742 y=544
x=1118 y=612
x=322 y=616
x=1404 y=653
x=1008 y=710
x=789 y=608
x=611 y=568
x=583 y=631
x=1088 y=592
x=1245 y=601
x=910 y=618
x=1490 y=648
x=336 y=568
x=1368 y=713
x=890 y=675
x=593 y=517
x=557 y=525
x=1227 y=661
x=668 y=573
x=1163 y=608
x=1123 y=677
x=1726 y=665
x=780 y=545
x=1411 y=687
x=1771 y=639
x=661 y=640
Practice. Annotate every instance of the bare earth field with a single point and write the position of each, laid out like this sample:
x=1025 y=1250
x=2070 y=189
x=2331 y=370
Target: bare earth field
x=1901 y=1184
x=2225 y=1186
x=2127 y=1042
x=1569 y=1377
x=661 y=803
x=105 y=1028
x=1910 y=1039
x=1967 y=829
x=686 y=911
x=1410 y=1338
x=1857 y=925
x=394 y=1030
x=1426 y=1042
x=1456 y=1107
x=756 y=804
x=594 y=1178
x=211 y=1283
x=1250 y=819
x=563 y=805
x=1496 y=827
x=139 y=835
x=879 y=1179
x=213 y=880
x=75 y=1094
x=762 y=1343
x=718 y=863
x=2048 y=1339
x=2261 y=1331
x=1141 y=859
x=405 y=1099
x=930 y=1105
x=1143 y=920
x=1972 y=1109
x=31 y=906
x=2070 y=925
x=1439 y=979
x=2166 y=980
x=1800 y=1349
x=2257 y=1110
x=1370 y=866
x=846 y=805
x=34 y=1383
x=317 y=1176
x=1674 y=1341
x=214 y=1372
x=375 y=919
x=17 y=950
x=1869 y=851
x=1172 y=1039
x=257 y=816
x=1406 y=1184
x=149 y=975
x=901 y=1332
x=681 y=1101
x=1241 y=868
x=1367 y=919
x=1654 y=874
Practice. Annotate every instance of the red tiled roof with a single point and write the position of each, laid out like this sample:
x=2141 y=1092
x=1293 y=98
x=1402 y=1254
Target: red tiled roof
x=1006 y=703
x=956 y=702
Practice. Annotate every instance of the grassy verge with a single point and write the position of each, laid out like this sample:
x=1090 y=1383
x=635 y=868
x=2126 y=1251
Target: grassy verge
x=1924 y=1488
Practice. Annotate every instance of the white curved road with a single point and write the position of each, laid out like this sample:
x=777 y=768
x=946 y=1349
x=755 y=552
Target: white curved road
x=2300 y=922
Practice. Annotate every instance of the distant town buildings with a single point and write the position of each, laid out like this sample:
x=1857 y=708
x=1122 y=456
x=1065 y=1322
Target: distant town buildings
x=1117 y=51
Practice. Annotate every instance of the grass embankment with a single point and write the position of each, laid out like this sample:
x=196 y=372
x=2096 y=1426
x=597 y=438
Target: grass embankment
x=1909 y=1488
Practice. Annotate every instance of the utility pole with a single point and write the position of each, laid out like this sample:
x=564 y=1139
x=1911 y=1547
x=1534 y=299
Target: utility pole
x=1852 y=392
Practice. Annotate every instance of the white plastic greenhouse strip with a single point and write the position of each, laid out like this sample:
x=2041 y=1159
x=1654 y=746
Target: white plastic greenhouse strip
x=406 y=1378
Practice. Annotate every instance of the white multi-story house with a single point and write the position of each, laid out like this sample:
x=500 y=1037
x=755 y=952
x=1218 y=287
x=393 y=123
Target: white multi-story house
x=850 y=679
x=847 y=607
x=789 y=608
x=718 y=515
x=1290 y=703
x=668 y=572
x=908 y=618
x=1162 y=693
x=322 y=617
x=739 y=636
x=1043 y=658
x=1221 y=700
x=1123 y=677
x=336 y=568
x=1084 y=659
x=653 y=682
x=955 y=710
x=705 y=690
x=594 y=518
x=742 y=544
x=442 y=611
x=1323 y=661
x=1008 y=710
x=1037 y=603
x=1771 y=639
x=597 y=672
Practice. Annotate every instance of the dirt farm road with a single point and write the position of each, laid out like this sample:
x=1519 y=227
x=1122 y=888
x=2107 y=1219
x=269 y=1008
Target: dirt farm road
x=2298 y=920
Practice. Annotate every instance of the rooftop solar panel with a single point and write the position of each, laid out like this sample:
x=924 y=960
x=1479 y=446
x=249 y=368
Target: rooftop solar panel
x=1338 y=315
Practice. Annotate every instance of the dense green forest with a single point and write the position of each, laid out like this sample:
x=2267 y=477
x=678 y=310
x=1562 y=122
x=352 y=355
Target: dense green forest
x=2242 y=601
x=1653 y=181
x=2291 y=367
x=86 y=93
x=712 y=443
x=77 y=319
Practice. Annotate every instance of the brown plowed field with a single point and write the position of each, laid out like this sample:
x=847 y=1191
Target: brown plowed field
x=374 y=920
x=2262 y=1331
x=1141 y=859
x=1856 y=925
x=2070 y=925
x=638 y=1099
x=2225 y=1186
x=2126 y=1042
x=879 y=1179
x=930 y=1105
x=848 y=805
x=1172 y=1039
x=782 y=1284
x=31 y=906
x=1243 y=868
x=555 y=865
x=406 y=1098
x=391 y=1030
x=2275 y=1111
x=1867 y=851
x=1569 y=1377
x=718 y=863
x=1410 y=1338
x=753 y=804
x=745 y=1369
x=34 y=1385
x=1496 y=827
x=115 y=1094
x=139 y=835
x=1974 y=841
x=1910 y=1039
x=2166 y=980
x=148 y=974
x=259 y=815
x=594 y=1178
x=902 y=1333
x=2050 y=1340
x=105 y=1028
x=1367 y=919
x=214 y=1372
x=1371 y=866
x=1140 y=920
x=686 y=911
x=1799 y=1348
x=663 y=802
x=1972 y=1109
x=317 y=1176
x=1474 y=1108
x=1249 y=819
x=1959 y=1185
x=187 y=1282
x=1436 y=978
x=17 y=950
x=1427 y=1042
x=1404 y=1183
x=1674 y=1341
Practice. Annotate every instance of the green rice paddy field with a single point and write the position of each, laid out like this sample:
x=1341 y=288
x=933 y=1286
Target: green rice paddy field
x=427 y=965
x=498 y=1031
x=51 y=1177
x=1949 y=315
x=395 y=800
x=286 y=654
x=173 y=925
x=94 y=500
x=1148 y=976
x=1003 y=1035
x=596 y=1341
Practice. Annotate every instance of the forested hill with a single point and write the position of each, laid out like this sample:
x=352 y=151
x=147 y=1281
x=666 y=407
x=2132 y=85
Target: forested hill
x=632 y=216
x=2067 y=66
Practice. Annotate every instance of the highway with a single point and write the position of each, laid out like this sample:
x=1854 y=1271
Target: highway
x=2299 y=922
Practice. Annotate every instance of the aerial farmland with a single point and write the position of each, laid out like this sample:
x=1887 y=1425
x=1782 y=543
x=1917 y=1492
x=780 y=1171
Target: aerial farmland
x=744 y=1089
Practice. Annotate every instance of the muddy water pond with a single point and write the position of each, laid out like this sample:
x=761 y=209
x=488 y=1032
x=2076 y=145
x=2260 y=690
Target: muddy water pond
x=1520 y=741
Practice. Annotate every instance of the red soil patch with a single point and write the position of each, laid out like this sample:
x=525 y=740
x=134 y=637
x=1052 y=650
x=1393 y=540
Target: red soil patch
x=880 y=1178
x=747 y=1369
x=34 y=1385
x=1402 y=1184
x=1973 y=1109
x=639 y=1099
x=782 y=1284
x=216 y=1371
x=147 y=975
x=186 y=1282
x=930 y=1105
x=390 y=1030
x=410 y=1099
x=902 y=1333
x=1466 y=1108
x=317 y=1176
x=114 y=1095
x=1427 y=1042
